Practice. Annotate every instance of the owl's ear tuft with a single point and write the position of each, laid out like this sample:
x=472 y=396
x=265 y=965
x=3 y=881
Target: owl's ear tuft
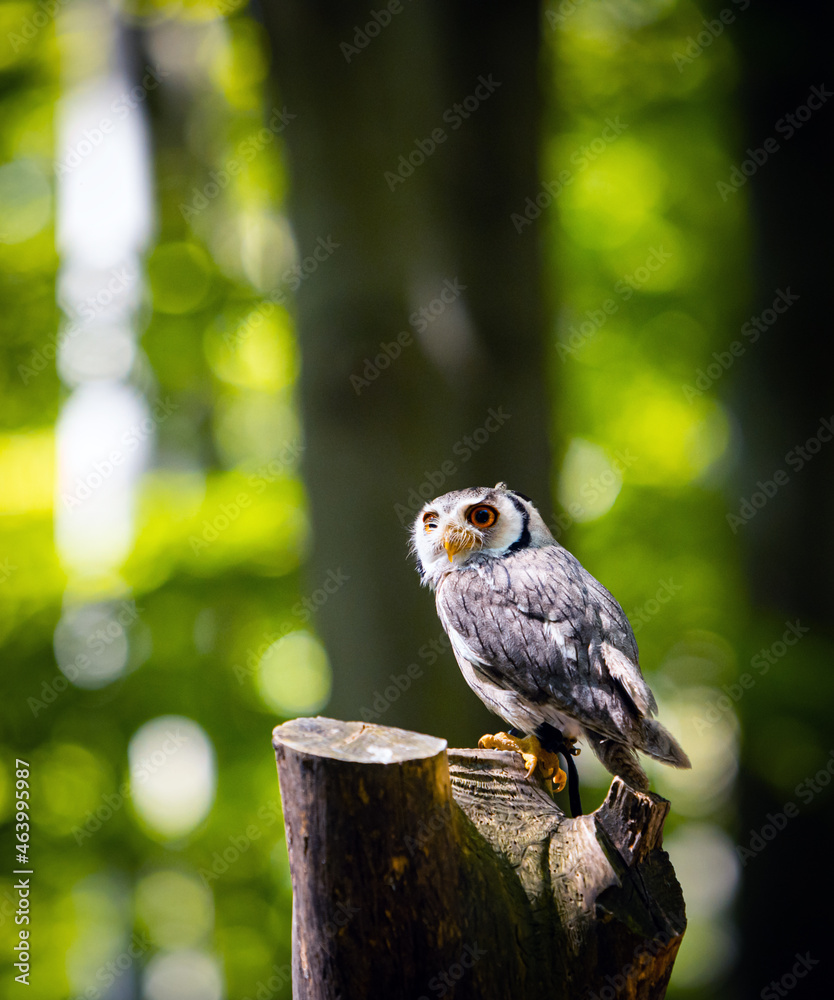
x=501 y=486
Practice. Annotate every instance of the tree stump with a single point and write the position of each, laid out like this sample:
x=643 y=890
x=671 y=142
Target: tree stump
x=419 y=873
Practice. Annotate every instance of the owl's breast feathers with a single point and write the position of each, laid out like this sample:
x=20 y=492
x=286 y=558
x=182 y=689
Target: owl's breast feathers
x=537 y=623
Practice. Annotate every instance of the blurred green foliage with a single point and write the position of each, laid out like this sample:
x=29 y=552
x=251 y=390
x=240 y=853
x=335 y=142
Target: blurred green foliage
x=181 y=629
x=641 y=298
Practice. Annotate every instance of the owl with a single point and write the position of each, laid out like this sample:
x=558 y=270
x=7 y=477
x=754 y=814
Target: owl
x=538 y=639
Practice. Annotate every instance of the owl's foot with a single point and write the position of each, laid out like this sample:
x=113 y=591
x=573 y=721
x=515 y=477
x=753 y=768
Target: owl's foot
x=532 y=752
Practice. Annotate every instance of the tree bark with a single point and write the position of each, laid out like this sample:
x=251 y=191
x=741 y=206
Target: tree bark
x=415 y=870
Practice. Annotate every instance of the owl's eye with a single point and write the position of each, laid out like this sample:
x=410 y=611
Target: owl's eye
x=430 y=520
x=483 y=516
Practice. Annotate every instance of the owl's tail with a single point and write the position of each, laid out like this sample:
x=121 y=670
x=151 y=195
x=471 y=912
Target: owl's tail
x=621 y=759
x=662 y=745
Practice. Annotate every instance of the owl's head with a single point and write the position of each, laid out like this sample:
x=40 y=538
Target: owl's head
x=479 y=523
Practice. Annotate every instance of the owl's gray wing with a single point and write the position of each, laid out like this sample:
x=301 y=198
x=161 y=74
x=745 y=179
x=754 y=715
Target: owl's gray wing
x=538 y=624
x=562 y=571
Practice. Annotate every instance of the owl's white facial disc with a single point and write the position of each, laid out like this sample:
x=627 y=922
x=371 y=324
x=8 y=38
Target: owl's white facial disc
x=452 y=530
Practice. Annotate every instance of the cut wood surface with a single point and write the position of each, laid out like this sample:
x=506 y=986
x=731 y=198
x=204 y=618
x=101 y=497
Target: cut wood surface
x=419 y=872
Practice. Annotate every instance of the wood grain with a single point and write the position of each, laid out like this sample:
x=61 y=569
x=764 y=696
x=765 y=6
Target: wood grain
x=419 y=872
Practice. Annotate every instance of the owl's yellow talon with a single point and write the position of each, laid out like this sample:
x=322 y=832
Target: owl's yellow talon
x=533 y=754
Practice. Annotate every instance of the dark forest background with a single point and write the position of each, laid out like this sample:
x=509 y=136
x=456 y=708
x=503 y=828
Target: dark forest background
x=274 y=274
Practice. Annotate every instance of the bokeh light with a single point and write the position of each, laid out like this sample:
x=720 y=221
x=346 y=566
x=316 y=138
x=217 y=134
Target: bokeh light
x=180 y=277
x=294 y=675
x=172 y=775
x=182 y=975
x=176 y=908
x=589 y=482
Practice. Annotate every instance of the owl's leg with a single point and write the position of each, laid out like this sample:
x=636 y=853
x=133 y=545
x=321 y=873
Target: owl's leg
x=533 y=753
x=554 y=742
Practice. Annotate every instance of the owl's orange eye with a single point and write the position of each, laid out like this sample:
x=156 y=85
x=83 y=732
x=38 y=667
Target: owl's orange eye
x=483 y=516
x=429 y=520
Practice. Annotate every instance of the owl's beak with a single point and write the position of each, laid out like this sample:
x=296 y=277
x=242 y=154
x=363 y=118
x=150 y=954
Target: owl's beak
x=455 y=541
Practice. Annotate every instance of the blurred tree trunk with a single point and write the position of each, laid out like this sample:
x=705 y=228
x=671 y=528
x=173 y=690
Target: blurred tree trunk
x=783 y=394
x=415 y=139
